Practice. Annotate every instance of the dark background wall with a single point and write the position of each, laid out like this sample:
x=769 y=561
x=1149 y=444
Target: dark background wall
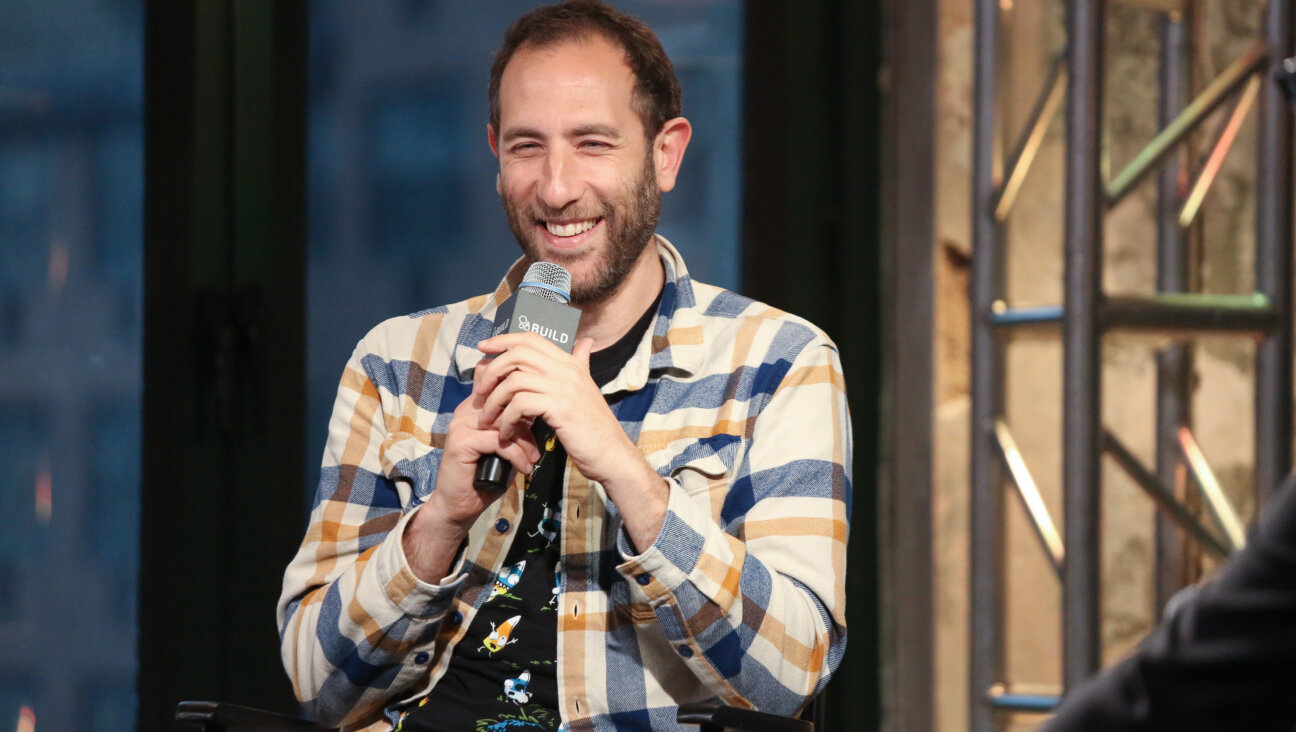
x=811 y=246
x=223 y=348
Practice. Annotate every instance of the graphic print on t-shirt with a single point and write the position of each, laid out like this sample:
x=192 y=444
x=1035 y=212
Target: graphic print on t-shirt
x=502 y=671
x=549 y=525
x=553 y=601
x=501 y=636
x=506 y=580
x=516 y=689
x=502 y=675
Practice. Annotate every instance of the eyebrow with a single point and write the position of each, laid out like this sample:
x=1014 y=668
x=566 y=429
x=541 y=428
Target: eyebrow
x=516 y=132
x=595 y=129
x=582 y=131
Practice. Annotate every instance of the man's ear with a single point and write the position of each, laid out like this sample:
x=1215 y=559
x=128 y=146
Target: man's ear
x=668 y=151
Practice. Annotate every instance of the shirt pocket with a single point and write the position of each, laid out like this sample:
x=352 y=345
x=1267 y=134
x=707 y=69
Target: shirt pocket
x=411 y=464
x=705 y=479
x=701 y=474
x=701 y=467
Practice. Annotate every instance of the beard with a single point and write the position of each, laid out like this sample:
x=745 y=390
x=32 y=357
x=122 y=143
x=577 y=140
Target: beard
x=630 y=219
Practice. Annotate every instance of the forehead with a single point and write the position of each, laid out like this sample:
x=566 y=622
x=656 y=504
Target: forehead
x=577 y=78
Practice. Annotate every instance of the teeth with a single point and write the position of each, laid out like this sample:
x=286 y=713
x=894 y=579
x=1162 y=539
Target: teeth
x=572 y=229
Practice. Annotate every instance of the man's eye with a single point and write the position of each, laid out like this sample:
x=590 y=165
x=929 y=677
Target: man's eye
x=594 y=145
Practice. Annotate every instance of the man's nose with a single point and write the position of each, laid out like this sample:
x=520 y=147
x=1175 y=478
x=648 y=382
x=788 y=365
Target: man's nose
x=560 y=182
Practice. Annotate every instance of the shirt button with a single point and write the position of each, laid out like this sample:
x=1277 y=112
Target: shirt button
x=644 y=579
x=502 y=525
x=685 y=651
x=456 y=617
x=421 y=658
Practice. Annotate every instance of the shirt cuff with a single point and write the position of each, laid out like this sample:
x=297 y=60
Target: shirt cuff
x=673 y=557
x=405 y=590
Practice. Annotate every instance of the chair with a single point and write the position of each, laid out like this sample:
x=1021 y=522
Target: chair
x=1285 y=74
x=222 y=717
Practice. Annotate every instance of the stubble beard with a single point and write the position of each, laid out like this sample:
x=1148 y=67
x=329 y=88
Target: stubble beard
x=630 y=220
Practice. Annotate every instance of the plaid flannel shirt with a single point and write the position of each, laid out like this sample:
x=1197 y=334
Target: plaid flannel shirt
x=739 y=406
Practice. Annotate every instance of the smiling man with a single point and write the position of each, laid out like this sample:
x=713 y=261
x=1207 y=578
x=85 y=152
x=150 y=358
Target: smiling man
x=676 y=527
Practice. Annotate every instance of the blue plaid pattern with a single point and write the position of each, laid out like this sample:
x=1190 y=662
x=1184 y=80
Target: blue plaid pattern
x=739 y=406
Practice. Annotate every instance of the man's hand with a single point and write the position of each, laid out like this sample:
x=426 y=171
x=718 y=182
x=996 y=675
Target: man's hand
x=433 y=536
x=530 y=378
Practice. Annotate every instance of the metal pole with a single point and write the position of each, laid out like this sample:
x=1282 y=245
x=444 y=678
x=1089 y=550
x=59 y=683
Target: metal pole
x=1273 y=262
x=1174 y=363
x=987 y=500
x=1198 y=313
x=1082 y=340
x=1216 y=93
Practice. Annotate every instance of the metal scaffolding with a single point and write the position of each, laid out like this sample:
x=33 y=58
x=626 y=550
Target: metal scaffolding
x=1087 y=314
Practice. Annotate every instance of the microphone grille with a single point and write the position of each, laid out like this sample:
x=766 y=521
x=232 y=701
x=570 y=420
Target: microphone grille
x=548 y=280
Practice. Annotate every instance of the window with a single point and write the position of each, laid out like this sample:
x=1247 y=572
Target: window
x=71 y=211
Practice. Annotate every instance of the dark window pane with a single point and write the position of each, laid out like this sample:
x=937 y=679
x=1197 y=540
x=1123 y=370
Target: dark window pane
x=71 y=212
x=26 y=486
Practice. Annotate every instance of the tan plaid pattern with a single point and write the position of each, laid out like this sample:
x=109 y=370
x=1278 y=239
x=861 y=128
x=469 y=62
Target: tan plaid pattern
x=740 y=407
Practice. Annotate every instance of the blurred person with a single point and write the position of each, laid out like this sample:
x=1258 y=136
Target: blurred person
x=1223 y=659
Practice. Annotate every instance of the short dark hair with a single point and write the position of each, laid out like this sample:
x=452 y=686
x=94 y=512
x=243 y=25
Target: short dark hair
x=657 y=95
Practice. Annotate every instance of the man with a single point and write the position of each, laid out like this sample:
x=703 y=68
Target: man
x=676 y=528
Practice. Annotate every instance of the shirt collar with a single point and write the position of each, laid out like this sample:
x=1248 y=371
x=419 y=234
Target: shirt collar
x=673 y=342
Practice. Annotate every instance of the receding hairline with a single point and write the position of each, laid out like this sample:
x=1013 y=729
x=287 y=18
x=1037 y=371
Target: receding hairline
x=589 y=37
x=582 y=35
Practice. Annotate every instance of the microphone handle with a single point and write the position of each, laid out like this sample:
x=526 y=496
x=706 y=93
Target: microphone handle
x=492 y=474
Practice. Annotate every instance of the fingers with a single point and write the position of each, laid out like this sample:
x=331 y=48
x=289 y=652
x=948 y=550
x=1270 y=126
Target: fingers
x=526 y=365
x=472 y=444
x=519 y=352
x=503 y=393
x=501 y=343
x=468 y=439
x=489 y=374
x=520 y=408
x=517 y=454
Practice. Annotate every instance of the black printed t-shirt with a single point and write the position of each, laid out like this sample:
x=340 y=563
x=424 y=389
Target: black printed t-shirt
x=503 y=673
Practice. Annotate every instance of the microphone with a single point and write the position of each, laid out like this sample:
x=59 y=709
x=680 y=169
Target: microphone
x=539 y=306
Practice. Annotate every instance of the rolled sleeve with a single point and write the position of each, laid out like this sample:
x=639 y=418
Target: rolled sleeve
x=354 y=619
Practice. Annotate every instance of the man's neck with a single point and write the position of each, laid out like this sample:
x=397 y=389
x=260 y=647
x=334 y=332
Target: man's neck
x=606 y=321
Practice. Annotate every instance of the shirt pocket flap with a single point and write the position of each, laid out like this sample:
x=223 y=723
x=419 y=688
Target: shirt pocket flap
x=410 y=461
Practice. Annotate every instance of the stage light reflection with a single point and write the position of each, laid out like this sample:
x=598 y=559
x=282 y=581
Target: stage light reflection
x=26 y=720
x=44 y=495
x=58 y=266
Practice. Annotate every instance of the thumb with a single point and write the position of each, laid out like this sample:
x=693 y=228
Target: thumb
x=582 y=351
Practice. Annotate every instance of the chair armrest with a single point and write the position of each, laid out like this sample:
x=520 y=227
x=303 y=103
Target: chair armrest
x=716 y=717
x=1285 y=73
x=219 y=716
